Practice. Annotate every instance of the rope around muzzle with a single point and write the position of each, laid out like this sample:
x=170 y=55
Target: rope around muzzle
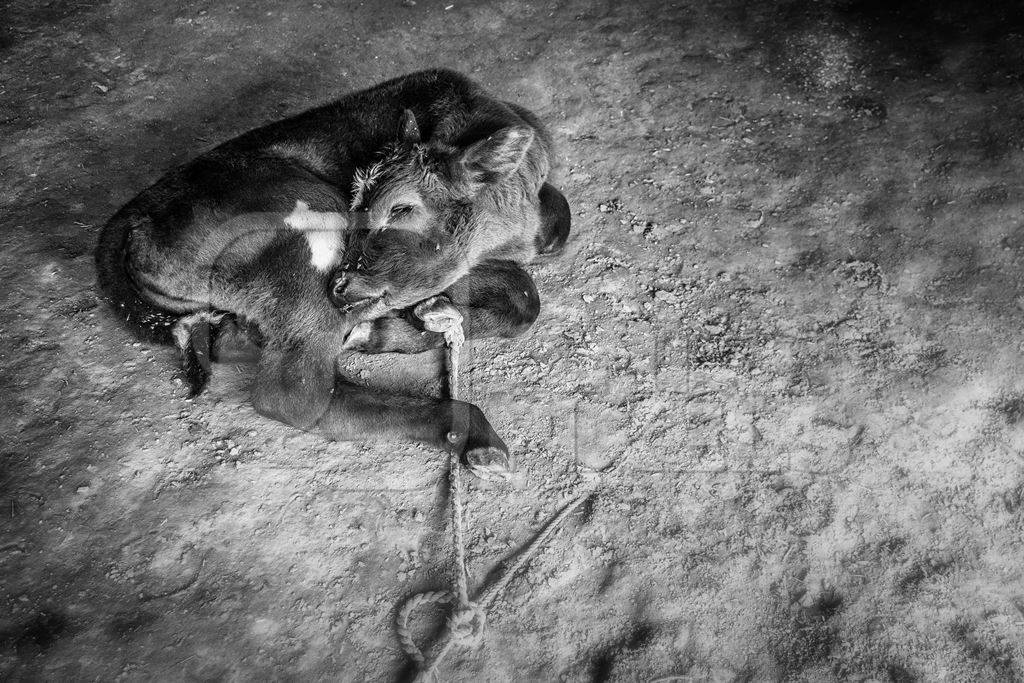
x=466 y=622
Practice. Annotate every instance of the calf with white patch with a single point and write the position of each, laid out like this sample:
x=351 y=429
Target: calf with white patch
x=256 y=230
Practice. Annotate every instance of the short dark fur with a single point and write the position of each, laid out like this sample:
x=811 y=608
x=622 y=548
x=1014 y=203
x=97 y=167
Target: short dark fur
x=209 y=239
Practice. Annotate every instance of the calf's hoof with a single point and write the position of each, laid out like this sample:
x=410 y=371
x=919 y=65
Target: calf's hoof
x=479 y=447
x=490 y=463
x=360 y=338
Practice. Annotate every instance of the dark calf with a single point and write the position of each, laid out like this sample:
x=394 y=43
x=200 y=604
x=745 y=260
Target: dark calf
x=255 y=229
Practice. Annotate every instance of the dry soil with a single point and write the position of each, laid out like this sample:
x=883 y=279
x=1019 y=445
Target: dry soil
x=788 y=323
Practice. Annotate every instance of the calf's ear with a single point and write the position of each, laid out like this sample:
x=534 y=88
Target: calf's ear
x=497 y=155
x=408 y=129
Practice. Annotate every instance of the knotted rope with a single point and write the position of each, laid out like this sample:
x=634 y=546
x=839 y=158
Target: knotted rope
x=465 y=624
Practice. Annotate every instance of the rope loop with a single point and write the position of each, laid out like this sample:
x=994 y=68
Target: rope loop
x=405 y=613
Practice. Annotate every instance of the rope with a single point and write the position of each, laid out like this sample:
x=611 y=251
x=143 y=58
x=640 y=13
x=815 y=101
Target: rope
x=465 y=624
x=454 y=338
x=495 y=591
x=410 y=606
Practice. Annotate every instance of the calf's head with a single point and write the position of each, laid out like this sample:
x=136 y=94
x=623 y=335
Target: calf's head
x=413 y=213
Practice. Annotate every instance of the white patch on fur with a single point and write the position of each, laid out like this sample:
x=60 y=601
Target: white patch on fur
x=322 y=230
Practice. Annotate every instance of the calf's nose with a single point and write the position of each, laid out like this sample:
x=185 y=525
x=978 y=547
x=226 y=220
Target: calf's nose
x=348 y=289
x=340 y=292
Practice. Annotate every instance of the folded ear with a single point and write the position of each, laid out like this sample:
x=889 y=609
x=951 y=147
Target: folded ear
x=497 y=155
x=408 y=129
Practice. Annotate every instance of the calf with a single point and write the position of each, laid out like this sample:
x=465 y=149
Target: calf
x=257 y=229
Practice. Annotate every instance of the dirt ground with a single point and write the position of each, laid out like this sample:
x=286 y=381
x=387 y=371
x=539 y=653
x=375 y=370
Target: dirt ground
x=789 y=315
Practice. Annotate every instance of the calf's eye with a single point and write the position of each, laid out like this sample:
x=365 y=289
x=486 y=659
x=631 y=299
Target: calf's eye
x=399 y=210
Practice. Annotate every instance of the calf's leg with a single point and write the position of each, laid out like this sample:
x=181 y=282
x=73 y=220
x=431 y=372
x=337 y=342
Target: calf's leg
x=496 y=299
x=297 y=386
